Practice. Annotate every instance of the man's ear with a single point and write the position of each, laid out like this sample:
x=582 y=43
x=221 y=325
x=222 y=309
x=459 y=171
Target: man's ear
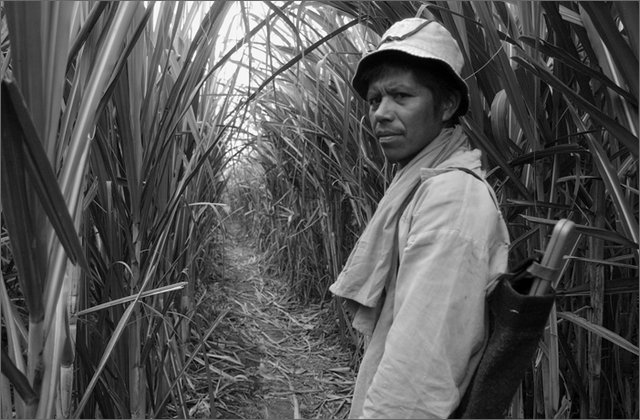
x=450 y=105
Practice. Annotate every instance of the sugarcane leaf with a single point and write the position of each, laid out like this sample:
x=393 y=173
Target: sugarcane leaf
x=500 y=111
x=610 y=178
x=562 y=55
x=184 y=90
x=534 y=204
x=123 y=322
x=511 y=85
x=17 y=210
x=24 y=20
x=478 y=136
x=298 y=57
x=16 y=333
x=605 y=262
x=154 y=292
x=213 y=206
x=122 y=59
x=629 y=140
x=279 y=12
x=628 y=12
x=552 y=151
x=449 y=12
x=129 y=127
x=186 y=365
x=57 y=24
x=17 y=379
x=622 y=55
x=117 y=333
x=73 y=172
x=41 y=175
x=607 y=235
x=600 y=331
x=88 y=25
x=614 y=286
x=52 y=356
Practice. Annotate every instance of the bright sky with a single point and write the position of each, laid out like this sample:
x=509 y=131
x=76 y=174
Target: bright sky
x=231 y=30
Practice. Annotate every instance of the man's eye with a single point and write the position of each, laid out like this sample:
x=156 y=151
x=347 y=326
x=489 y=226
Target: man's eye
x=373 y=101
x=400 y=95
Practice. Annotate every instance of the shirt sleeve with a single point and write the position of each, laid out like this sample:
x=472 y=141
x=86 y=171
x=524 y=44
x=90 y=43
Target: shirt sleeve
x=439 y=303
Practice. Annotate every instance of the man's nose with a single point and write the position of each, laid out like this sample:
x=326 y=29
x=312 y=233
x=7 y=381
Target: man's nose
x=384 y=111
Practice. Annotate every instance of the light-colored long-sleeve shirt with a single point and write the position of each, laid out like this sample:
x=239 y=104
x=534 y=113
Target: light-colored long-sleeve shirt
x=452 y=241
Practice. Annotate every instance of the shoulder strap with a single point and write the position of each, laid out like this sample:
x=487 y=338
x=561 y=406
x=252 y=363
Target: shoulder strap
x=396 y=258
x=484 y=181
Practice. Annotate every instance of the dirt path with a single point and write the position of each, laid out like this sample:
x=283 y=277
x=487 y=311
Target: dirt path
x=290 y=363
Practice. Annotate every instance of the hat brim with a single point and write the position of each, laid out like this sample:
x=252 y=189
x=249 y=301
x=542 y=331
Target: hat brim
x=361 y=85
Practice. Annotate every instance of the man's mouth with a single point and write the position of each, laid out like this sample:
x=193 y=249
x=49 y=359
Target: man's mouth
x=386 y=135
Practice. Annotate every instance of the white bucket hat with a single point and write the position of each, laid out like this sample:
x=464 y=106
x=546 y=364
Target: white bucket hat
x=423 y=39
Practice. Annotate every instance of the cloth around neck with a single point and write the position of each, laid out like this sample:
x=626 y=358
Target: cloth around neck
x=368 y=267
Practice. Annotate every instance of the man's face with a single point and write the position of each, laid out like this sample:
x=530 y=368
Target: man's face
x=403 y=114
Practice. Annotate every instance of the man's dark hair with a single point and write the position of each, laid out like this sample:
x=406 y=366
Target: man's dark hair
x=431 y=74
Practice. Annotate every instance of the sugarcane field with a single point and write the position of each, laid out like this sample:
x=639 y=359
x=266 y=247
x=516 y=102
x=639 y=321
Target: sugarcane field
x=319 y=209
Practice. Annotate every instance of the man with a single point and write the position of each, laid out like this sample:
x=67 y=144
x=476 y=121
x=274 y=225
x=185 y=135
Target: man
x=418 y=273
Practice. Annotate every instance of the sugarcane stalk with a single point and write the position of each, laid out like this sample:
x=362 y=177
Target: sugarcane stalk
x=596 y=287
x=517 y=404
x=6 y=408
x=52 y=356
x=552 y=379
x=137 y=394
x=17 y=379
x=68 y=353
